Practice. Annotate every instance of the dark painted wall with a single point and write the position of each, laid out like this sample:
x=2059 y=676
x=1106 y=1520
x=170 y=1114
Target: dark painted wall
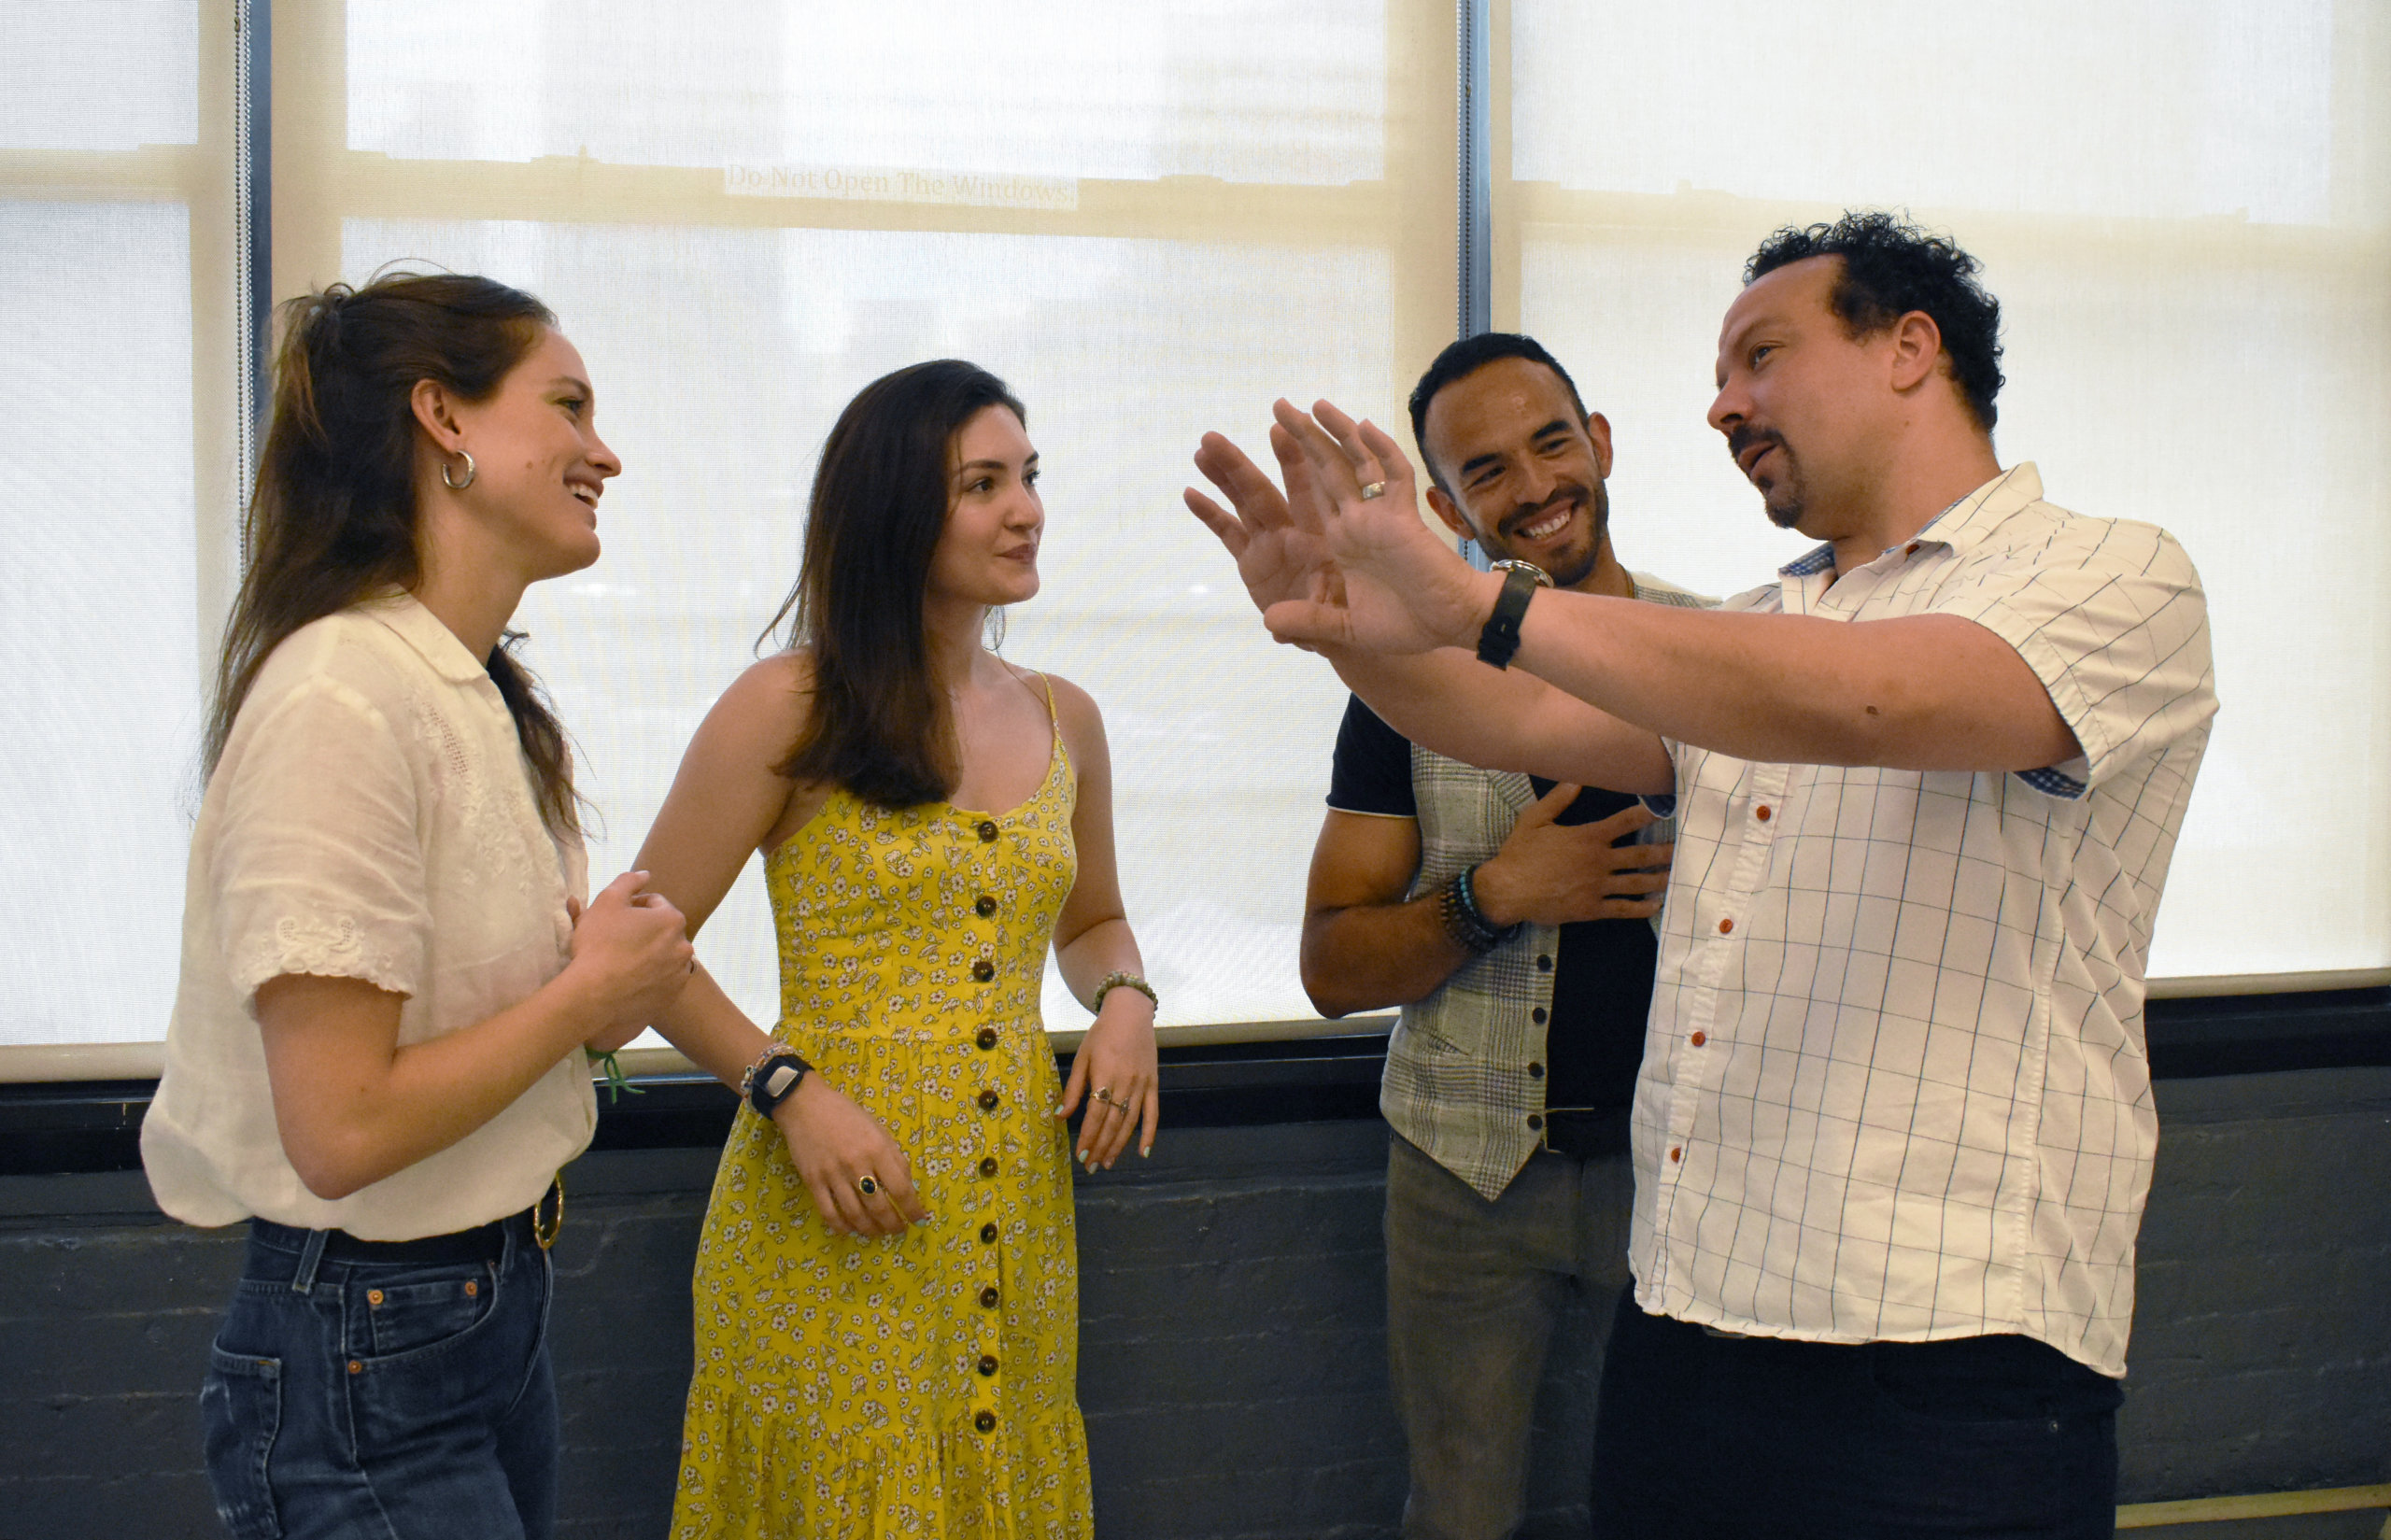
x=1231 y=1346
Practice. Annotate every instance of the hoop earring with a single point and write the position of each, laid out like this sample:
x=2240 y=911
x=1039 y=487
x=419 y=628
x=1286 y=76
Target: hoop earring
x=471 y=471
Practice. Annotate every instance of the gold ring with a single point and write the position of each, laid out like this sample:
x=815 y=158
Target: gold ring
x=1373 y=490
x=865 y=1185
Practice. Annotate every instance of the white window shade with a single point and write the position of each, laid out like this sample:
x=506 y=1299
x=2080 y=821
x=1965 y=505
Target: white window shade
x=2186 y=212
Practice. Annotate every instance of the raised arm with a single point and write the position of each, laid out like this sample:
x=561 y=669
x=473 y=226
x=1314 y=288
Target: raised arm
x=1927 y=692
x=1444 y=700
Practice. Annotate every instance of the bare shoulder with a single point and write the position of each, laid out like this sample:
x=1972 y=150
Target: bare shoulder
x=1076 y=715
x=769 y=698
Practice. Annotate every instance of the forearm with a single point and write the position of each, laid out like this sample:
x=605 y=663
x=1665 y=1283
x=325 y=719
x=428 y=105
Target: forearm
x=711 y=1031
x=1103 y=948
x=1505 y=719
x=1925 y=692
x=346 y=1124
x=1371 y=956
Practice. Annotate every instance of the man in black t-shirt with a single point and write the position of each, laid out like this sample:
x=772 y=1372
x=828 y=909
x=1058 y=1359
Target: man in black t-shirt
x=1510 y=921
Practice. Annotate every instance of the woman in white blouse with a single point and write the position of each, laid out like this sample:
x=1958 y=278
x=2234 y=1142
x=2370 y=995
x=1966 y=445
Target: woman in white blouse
x=389 y=976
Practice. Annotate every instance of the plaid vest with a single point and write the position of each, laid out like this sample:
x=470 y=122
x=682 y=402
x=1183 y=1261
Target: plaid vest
x=1457 y=1081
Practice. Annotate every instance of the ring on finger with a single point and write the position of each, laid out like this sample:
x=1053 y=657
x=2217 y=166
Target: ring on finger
x=1373 y=490
x=867 y=1185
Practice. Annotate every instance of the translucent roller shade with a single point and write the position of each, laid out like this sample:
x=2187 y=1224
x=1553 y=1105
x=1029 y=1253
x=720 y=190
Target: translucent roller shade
x=98 y=75
x=100 y=641
x=1241 y=89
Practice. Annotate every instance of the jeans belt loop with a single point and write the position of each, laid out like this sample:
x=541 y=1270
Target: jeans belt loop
x=303 y=1280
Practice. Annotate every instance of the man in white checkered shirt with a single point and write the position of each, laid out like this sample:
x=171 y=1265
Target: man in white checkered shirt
x=1893 y=1129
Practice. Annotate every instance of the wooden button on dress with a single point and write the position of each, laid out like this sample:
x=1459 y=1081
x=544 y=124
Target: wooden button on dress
x=984 y=906
x=987 y=1166
x=987 y=831
x=986 y=1037
x=988 y=1297
x=988 y=1363
x=986 y=1421
x=987 y=1101
x=984 y=970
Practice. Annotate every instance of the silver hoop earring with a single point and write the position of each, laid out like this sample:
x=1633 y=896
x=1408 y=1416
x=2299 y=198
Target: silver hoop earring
x=471 y=471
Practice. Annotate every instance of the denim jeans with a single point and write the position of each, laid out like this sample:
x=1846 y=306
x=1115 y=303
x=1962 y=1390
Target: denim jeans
x=384 y=1400
x=1473 y=1289
x=1707 y=1437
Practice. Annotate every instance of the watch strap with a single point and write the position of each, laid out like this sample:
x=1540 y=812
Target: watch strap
x=772 y=1079
x=1500 y=638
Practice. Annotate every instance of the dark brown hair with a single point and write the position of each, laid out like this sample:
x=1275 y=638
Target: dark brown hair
x=879 y=725
x=334 y=519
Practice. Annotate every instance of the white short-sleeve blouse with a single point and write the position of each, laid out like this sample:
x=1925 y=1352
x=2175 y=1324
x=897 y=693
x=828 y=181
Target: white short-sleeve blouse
x=372 y=817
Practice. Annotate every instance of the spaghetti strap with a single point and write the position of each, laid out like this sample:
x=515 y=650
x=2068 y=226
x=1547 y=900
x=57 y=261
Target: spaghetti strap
x=1052 y=719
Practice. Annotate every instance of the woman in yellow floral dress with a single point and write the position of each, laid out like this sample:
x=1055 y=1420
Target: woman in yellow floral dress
x=887 y=1293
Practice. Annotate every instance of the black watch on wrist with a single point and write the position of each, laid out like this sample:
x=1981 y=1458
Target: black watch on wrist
x=772 y=1079
x=1500 y=638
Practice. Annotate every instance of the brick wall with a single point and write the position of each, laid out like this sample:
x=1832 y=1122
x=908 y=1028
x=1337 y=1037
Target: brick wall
x=1231 y=1346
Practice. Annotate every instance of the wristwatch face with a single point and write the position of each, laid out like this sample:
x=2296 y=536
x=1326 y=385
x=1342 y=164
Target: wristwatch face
x=778 y=1082
x=1515 y=564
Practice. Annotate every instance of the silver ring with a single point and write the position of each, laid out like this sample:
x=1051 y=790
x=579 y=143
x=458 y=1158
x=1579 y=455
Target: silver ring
x=1373 y=490
x=865 y=1185
x=1103 y=1094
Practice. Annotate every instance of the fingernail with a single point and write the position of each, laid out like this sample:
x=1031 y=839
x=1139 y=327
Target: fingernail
x=1083 y=1157
x=1059 y=1112
x=1144 y=1150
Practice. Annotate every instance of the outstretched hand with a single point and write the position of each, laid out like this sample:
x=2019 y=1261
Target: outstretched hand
x=1325 y=565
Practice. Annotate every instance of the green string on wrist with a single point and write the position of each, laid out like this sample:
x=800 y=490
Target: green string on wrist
x=616 y=1081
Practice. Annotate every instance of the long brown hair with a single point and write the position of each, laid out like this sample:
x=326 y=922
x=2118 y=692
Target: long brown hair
x=879 y=725
x=334 y=519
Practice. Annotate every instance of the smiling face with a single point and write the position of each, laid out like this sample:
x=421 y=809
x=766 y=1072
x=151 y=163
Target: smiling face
x=1518 y=470
x=540 y=466
x=1802 y=403
x=987 y=554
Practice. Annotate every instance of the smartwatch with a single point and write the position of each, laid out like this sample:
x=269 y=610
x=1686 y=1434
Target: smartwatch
x=772 y=1079
x=1500 y=638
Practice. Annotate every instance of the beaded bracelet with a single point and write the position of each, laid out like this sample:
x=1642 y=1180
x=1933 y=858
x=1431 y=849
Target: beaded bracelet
x=1130 y=981
x=1465 y=922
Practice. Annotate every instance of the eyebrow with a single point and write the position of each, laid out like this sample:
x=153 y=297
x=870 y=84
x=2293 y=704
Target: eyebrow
x=1472 y=465
x=571 y=383
x=993 y=464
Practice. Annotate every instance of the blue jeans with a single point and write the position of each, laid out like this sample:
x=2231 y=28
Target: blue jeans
x=1473 y=1289
x=379 y=1400
x=1704 y=1437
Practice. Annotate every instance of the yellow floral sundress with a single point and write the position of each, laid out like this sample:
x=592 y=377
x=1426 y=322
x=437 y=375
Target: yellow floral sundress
x=925 y=1383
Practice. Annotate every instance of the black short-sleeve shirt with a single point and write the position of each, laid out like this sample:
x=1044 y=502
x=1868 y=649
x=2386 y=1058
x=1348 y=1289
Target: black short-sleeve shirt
x=1602 y=975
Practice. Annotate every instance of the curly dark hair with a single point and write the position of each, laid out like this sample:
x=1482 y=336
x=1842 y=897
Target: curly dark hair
x=1892 y=267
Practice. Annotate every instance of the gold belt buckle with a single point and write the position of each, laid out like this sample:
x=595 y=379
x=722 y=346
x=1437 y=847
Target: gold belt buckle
x=547 y=1215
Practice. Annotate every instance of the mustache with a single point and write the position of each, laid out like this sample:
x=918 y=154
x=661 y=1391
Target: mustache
x=1745 y=435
